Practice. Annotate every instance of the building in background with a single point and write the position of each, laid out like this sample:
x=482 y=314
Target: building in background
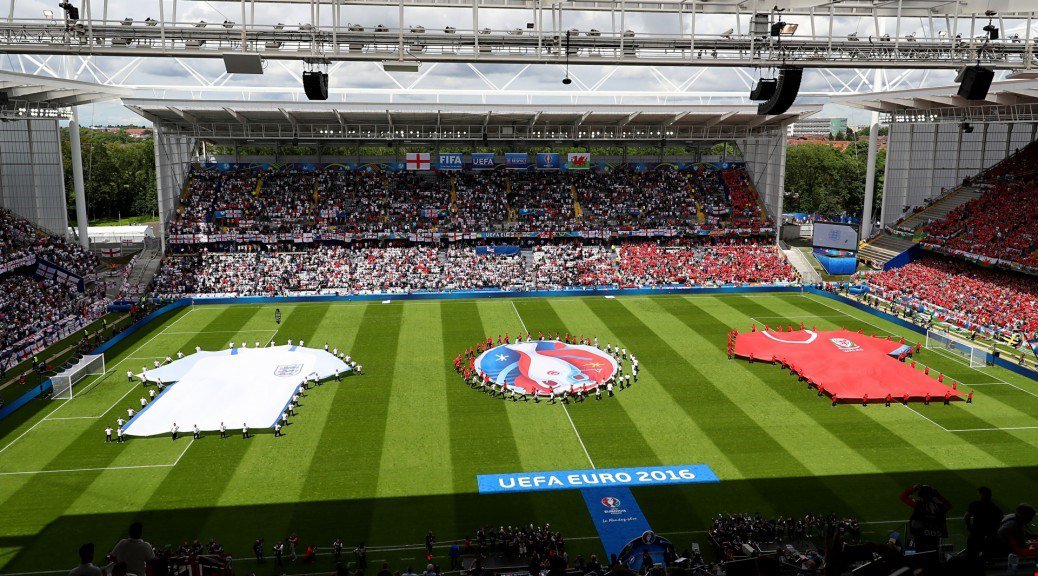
x=818 y=127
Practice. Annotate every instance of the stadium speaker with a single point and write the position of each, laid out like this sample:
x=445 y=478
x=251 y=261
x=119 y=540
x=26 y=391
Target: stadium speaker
x=236 y=63
x=786 y=89
x=974 y=82
x=764 y=89
x=315 y=84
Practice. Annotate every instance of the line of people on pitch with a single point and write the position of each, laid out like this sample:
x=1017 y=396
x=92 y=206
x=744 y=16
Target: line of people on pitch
x=120 y=435
x=903 y=357
x=465 y=366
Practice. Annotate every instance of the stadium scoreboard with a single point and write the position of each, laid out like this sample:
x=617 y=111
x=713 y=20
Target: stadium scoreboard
x=835 y=236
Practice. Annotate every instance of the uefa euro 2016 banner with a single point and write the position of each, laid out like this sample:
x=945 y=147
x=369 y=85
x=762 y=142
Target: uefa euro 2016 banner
x=601 y=478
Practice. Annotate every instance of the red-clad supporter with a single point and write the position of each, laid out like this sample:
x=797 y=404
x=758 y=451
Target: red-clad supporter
x=967 y=293
x=723 y=262
x=398 y=269
x=1001 y=224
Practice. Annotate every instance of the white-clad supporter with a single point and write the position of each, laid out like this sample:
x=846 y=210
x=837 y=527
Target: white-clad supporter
x=86 y=560
x=134 y=551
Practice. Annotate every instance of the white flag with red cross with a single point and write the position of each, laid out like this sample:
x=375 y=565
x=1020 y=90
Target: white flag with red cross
x=417 y=160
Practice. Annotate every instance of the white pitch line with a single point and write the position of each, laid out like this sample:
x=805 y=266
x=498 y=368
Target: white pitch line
x=25 y=472
x=564 y=408
x=926 y=418
x=993 y=429
x=177 y=461
x=222 y=331
x=959 y=360
x=20 y=436
x=138 y=467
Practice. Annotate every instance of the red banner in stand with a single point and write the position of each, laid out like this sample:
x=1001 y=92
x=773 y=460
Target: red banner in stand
x=845 y=365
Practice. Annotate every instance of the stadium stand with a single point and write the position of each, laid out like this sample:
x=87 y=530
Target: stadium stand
x=36 y=311
x=402 y=269
x=963 y=293
x=1000 y=226
x=253 y=231
x=244 y=202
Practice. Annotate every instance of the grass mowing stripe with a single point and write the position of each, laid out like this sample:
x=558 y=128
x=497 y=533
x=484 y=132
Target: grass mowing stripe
x=739 y=433
x=481 y=438
x=344 y=474
x=67 y=489
x=595 y=419
x=543 y=436
x=1009 y=447
x=849 y=424
x=615 y=428
x=255 y=480
x=865 y=436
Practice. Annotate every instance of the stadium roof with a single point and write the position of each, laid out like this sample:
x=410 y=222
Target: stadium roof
x=864 y=8
x=1010 y=95
x=235 y=120
x=30 y=92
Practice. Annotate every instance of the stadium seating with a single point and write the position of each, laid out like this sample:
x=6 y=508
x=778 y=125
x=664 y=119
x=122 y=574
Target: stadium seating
x=36 y=312
x=401 y=269
x=963 y=293
x=292 y=200
x=1002 y=224
x=253 y=231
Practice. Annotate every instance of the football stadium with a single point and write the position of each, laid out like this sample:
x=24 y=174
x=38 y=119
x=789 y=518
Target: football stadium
x=353 y=298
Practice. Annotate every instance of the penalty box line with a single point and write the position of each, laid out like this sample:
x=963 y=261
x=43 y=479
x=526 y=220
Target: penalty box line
x=103 y=468
x=89 y=386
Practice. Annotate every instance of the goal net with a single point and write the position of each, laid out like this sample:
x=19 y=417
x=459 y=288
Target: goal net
x=974 y=354
x=65 y=381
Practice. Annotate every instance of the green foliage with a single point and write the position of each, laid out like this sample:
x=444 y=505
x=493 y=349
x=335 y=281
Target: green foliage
x=118 y=173
x=826 y=180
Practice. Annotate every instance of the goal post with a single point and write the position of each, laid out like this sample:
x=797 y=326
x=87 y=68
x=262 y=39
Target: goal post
x=65 y=381
x=975 y=355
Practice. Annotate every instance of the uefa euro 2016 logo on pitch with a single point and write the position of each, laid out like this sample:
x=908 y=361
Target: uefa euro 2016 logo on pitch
x=545 y=367
x=288 y=369
x=610 y=502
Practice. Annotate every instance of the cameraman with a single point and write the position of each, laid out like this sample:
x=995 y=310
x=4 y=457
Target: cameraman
x=929 y=520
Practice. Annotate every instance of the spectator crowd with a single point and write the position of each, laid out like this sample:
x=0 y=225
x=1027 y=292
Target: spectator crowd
x=253 y=202
x=963 y=293
x=37 y=311
x=1003 y=223
x=358 y=269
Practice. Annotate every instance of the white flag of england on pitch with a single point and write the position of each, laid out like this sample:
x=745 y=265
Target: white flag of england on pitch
x=417 y=160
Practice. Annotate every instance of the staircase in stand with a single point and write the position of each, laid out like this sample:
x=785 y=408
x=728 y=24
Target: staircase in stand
x=941 y=208
x=884 y=247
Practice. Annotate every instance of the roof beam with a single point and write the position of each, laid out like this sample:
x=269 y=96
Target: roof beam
x=536 y=116
x=582 y=118
x=185 y=116
x=235 y=115
x=627 y=120
x=718 y=119
x=675 y=119
x=288 y=116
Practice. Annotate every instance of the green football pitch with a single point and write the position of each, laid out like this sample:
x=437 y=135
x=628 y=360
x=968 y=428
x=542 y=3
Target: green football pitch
x=388 y=455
